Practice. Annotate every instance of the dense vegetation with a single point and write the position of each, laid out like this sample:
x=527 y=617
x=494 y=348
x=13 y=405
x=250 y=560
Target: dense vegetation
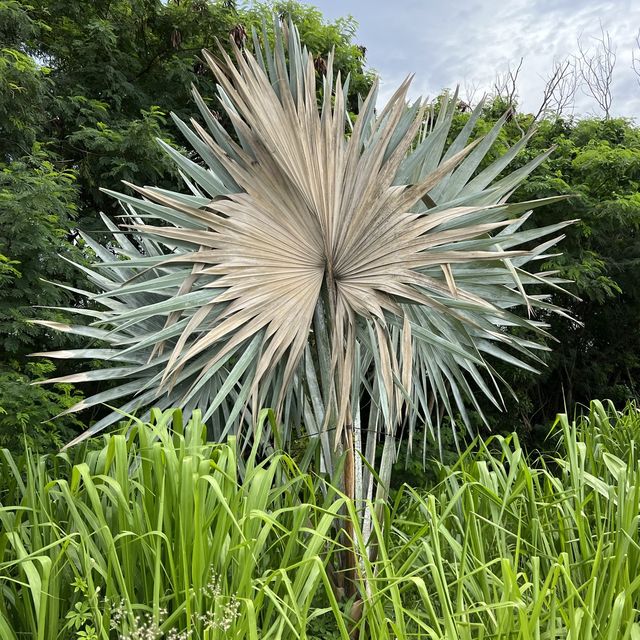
x=594 y=353
x=70 y=127
x=85 y=90
x=596 y=163
x=158 y=533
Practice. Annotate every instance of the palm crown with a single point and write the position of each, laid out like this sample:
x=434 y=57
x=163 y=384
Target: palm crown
x=317 y=266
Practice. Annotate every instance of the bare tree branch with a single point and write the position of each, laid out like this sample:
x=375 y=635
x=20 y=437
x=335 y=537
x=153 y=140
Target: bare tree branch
x=560 y=89
x=470 y=91
x=505 y=85
x=635 y=57
x=596 y=70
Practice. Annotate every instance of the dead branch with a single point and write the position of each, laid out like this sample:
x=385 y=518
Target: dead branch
x=635 y=57
x=470 y=91
x=596 y=70
x=505 y=85
x=560 y=89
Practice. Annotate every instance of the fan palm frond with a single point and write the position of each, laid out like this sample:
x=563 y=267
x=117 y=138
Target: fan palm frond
x=316 y=266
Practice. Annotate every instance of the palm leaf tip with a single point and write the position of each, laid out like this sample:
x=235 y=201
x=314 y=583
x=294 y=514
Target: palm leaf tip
x=314 y=267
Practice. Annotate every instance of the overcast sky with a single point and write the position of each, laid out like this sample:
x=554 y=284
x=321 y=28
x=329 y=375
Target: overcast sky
x=458 y=42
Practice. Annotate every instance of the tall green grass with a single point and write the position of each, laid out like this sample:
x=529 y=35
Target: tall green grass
x=159 y=532
x=543 y=550
x=149 y=521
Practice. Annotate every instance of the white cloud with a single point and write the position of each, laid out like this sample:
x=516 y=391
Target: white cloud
x=446 y=44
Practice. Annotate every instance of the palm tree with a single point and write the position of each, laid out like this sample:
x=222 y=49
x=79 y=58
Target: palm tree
x=353 y=276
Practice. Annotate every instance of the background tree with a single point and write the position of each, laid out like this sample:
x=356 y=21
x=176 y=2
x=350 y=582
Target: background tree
x=505 y=85
x=596 y=66
x=118 y=66
x=559 y=93
x=596 y=163
x=38 y=203
x=84 y=88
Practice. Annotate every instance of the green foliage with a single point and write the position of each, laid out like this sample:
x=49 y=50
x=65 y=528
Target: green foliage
x=596 y=164
x=84 y=87
x=122 y=152
x=116 y=66
x=27 y=411
x=541 y=548
x=23 y=83
x=158 y=527
x=320 y=37
x=156 y=531
x=37 y=204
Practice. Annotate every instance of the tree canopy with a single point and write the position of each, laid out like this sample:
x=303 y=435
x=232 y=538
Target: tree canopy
x=85 y=89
